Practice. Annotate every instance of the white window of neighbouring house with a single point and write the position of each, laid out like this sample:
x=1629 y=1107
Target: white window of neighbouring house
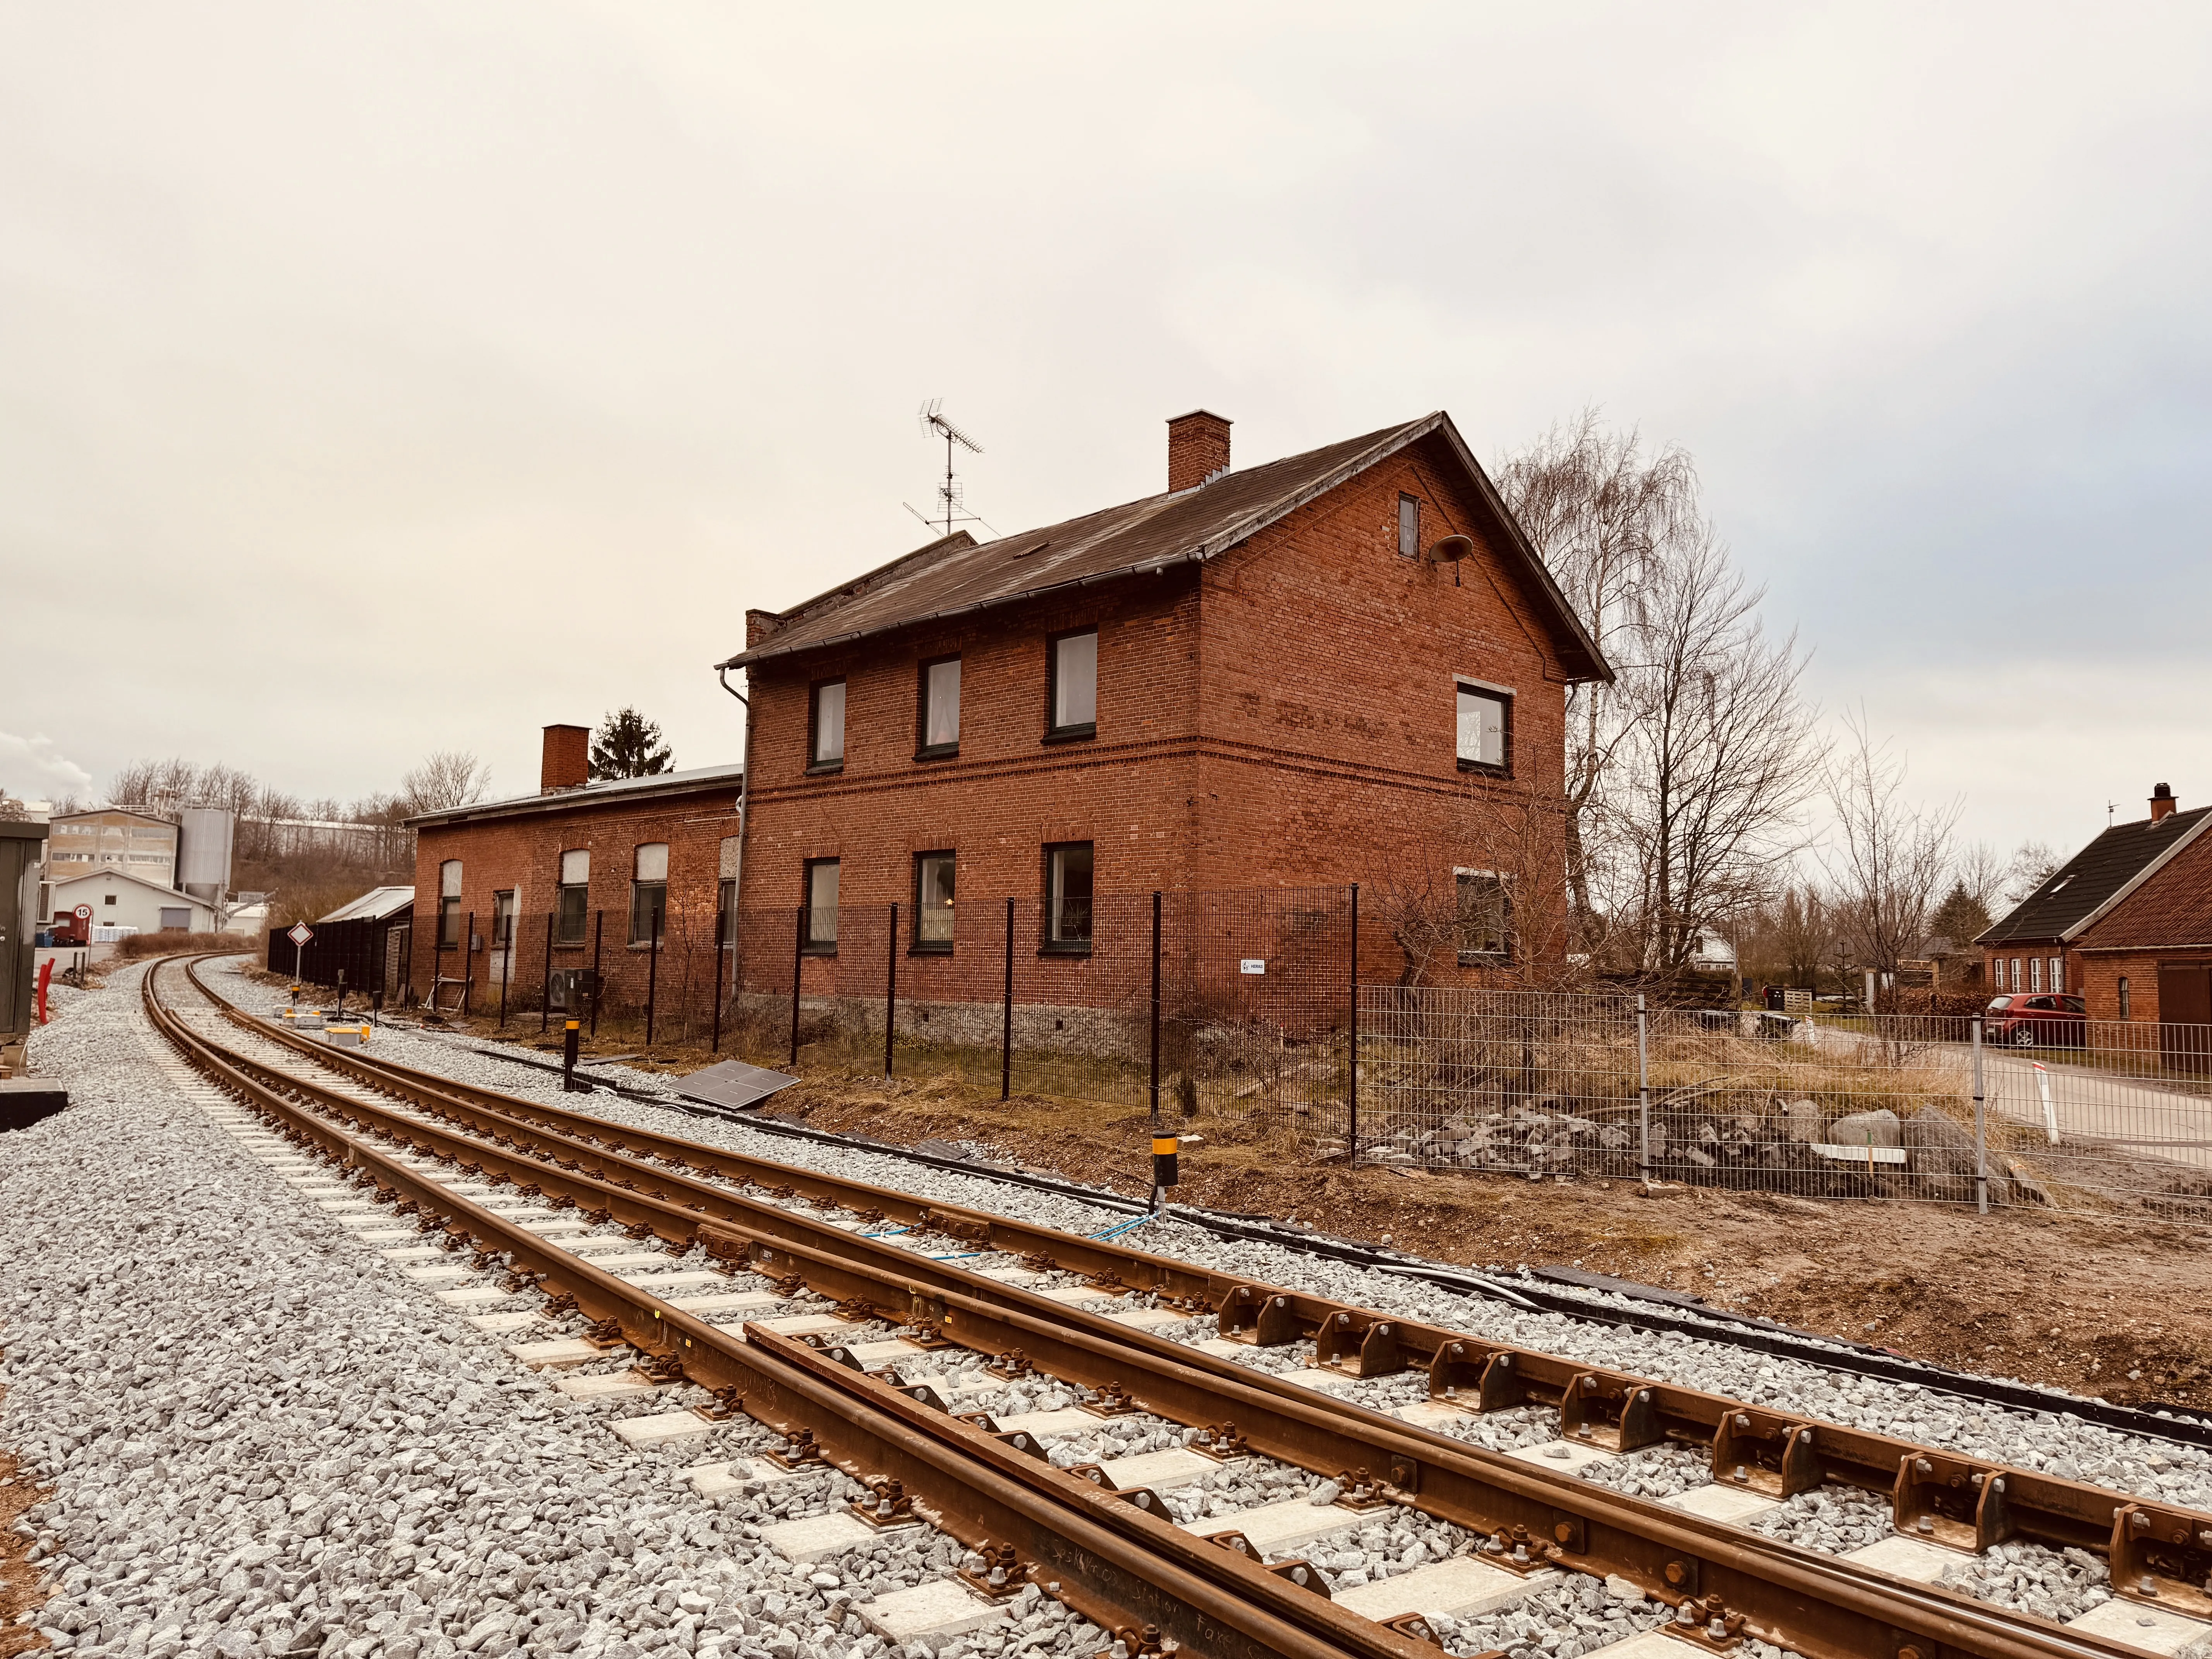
x=1073 y=662
x=1485 y=728
x=2035 y=973
x=2059 y=973
x=826 y=742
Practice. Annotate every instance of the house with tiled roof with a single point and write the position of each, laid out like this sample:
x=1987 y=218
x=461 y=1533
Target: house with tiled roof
x=2117 y=895
x=2147 y=954
x=1347 y=665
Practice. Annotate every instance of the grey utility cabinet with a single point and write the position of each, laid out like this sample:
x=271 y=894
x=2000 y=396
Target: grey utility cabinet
x=22 y=845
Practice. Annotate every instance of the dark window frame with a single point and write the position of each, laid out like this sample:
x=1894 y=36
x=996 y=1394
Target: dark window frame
x=1048 y=945
x=1505 y=700
x=502 y=926
x=810 y=945
x=449 y=922
x=816 y=768
x=916 y=944
x=1405 y=501
x=660 y=912
x=725 y=903
x=923 y=749
x=1087 y=729
x=1503 y=885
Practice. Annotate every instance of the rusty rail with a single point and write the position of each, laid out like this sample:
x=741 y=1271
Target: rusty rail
x=1814 y=1604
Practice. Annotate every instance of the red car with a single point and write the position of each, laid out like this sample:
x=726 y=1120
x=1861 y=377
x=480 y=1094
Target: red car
x=2048 y=1020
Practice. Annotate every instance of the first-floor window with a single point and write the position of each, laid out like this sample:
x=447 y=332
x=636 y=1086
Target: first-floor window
x=822 y=905
x=2016 y=973
x=1068 y=873
x=449 y=904
x=575 y=898
x=648 y=894
x=1485 y=728
x=2035 y=973
x=1485 y=917
x=502 y=919
x=2125 y=1012
x=932 y=900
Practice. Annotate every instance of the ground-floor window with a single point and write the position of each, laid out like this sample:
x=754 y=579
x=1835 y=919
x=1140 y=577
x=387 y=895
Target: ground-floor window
x=1069 y=873
x=932 y=900
x=1485 y=917
x=2126 y=1012
x=821 y=905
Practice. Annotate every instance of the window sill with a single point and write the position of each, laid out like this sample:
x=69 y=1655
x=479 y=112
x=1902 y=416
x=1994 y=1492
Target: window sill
x=1069 y=948
x=936 y=751
x=1486 y=959
x=570 y=943
x=645 y=944
x=818 y=949
x=1484 y=768
x=929 y=950
x=827 y=770
x=1072 y=733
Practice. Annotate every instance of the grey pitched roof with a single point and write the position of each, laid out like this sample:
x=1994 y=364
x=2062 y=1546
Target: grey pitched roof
x=956 y=574
x=590 y=794
x=2094 y=879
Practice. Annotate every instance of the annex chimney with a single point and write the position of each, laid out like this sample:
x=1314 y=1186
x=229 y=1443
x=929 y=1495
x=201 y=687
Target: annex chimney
x=2162 y=803
x=566 y=762
x=1198 y=448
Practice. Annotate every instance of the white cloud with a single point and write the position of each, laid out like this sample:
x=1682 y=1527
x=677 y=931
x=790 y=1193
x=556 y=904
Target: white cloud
x=33 y=768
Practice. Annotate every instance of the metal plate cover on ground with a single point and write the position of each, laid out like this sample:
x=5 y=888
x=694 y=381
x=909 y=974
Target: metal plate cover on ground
x=732 y=1086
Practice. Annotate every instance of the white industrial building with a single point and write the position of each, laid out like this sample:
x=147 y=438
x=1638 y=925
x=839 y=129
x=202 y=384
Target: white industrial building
x=119 y=899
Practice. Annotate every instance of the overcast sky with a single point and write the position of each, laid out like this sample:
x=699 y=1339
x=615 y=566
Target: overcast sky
x=384 y=378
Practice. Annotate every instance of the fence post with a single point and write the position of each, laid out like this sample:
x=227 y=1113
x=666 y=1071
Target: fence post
x=891 y=988
x=798 y=961
x=1643 y=1090
x=1981 y=1132
x=468 y=962
x=545 y=991
x=1156 y=1012
x=1006 y=1019
x=598 y=986
x=652 y=970
x=1352 y=1057
x=721 y=932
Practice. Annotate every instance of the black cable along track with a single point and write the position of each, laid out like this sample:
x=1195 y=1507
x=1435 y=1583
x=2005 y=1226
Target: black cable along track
x=1756 y=1335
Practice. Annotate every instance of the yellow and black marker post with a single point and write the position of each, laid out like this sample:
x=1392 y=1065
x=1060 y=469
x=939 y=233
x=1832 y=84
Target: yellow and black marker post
x=1163 y=1162
x=568 y=1040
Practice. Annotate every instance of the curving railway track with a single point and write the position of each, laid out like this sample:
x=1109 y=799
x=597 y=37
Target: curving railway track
x=486 y=1174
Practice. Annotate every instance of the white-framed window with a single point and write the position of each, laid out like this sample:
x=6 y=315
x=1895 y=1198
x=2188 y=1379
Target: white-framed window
x=2059 y=973
x=2035 y=973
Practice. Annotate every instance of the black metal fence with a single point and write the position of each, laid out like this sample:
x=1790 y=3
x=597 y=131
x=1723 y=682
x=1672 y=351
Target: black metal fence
x=366 y=955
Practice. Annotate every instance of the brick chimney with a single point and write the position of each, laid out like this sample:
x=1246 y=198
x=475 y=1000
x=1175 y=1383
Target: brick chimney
x=2162 y=803
x=567 y=762
x=1198 y=448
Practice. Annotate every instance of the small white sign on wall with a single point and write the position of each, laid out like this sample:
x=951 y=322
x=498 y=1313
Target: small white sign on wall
x=1253 y=965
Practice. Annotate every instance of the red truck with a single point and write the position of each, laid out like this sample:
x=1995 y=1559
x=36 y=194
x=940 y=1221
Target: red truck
x=67 y=930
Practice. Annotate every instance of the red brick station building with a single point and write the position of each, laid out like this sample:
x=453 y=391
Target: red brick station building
x=1298 y=675
x=1309 y=673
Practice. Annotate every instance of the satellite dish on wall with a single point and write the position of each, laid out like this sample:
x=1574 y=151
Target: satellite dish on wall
x=1453 y=549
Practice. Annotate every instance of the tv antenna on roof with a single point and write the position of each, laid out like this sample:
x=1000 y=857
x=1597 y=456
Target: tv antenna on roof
x=951 y=503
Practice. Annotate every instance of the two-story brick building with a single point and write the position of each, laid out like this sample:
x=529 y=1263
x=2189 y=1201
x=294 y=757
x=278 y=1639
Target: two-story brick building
x=1316 y=672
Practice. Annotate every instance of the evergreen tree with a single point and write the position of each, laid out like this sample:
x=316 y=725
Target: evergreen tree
x=628 y=745
x=1960 y=917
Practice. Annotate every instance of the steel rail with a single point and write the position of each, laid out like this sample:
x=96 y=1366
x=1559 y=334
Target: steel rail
x=1121 y=1565
x=1965 y=1504
x=1815 y=1604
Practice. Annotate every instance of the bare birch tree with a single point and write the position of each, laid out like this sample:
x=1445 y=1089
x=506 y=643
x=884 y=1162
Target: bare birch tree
x=1716 y=758
x=449 y=778
x=1888 y=856
x=1606 y=516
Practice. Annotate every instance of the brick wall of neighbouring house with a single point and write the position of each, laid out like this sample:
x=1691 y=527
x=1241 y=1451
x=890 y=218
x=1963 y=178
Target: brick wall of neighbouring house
x=2028 y=952
x=1286 y=719
x=523 y=853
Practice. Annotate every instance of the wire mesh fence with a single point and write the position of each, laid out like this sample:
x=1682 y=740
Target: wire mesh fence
x=2063 y=1113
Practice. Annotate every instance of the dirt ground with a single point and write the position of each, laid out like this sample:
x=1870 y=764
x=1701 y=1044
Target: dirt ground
x=2120 y=1309
x=18 y=1578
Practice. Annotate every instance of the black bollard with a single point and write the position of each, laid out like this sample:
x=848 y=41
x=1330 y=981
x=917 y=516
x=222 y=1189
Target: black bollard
x=568 y=1059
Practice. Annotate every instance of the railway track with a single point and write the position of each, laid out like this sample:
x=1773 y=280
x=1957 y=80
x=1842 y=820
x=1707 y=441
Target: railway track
x=445 y=1152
